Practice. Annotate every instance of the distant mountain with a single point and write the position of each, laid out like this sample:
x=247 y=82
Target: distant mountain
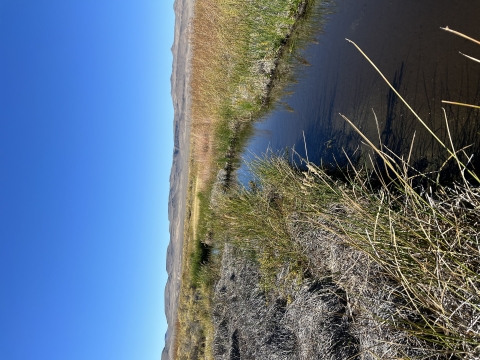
x=180 y=80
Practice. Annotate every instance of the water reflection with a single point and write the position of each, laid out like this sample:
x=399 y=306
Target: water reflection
x=421 y=62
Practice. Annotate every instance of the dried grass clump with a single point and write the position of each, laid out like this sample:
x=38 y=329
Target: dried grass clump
x=308 y=322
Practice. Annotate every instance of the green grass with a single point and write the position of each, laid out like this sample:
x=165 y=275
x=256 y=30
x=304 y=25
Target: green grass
x=424 y=235
x=265 y=33
x=242 y=59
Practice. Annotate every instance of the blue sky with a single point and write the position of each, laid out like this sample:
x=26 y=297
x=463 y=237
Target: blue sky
x=86 y=146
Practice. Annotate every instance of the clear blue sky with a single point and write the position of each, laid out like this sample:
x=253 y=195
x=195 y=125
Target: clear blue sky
x=86 y=145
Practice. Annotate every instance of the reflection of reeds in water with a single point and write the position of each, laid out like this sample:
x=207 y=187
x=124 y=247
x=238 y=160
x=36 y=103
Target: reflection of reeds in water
x=397 y=124
x=431 y=148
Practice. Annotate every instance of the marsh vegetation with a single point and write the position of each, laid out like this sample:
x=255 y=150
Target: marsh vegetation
x=242 y=54
x=373 y=260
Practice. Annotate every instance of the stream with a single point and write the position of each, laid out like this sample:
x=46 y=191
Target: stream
x=421 y=61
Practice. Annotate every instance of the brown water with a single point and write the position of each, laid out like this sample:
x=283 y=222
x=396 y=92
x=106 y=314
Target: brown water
x=404 y=39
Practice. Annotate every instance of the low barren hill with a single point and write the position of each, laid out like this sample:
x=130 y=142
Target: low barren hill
x=179 y=174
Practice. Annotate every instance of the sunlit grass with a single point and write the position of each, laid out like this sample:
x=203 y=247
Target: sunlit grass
x=424 y=234
x=240 y=50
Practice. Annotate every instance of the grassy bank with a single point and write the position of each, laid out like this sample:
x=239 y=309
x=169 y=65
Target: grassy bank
x=243 y=51
x=425 y=240
x=242 y=54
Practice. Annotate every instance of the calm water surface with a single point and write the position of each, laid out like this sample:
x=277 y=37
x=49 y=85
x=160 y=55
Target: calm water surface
x=404 y=39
